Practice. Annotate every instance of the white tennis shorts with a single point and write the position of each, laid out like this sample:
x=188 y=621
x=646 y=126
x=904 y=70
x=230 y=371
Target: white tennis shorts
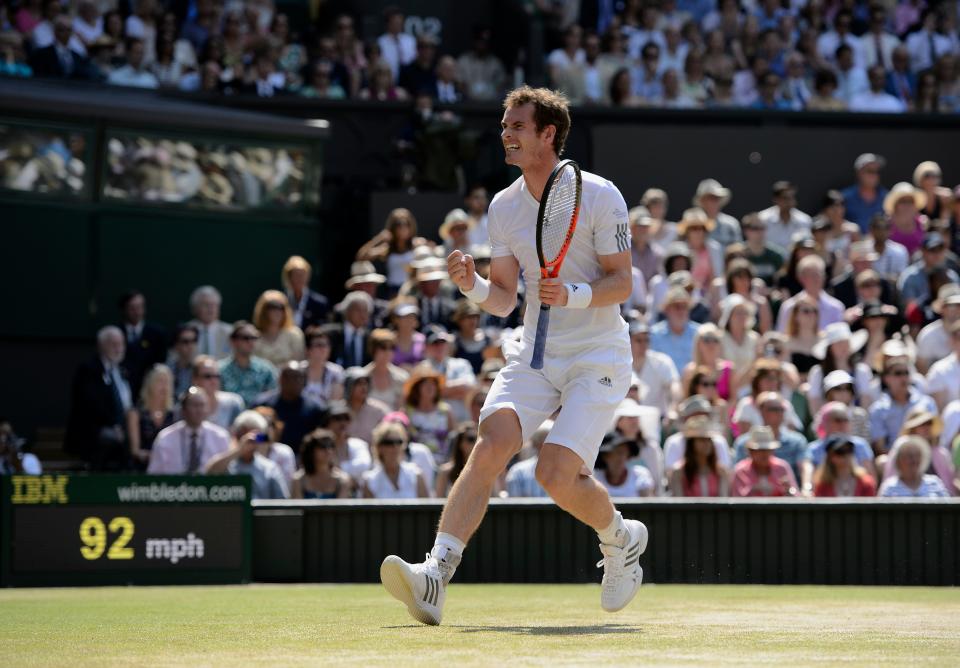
x=588 y=385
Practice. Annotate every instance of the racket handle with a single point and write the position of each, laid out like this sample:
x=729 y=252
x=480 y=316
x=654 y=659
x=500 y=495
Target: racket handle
x=540 y=342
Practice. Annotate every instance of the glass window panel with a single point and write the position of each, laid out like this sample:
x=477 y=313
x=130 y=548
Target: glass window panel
x=49 y=161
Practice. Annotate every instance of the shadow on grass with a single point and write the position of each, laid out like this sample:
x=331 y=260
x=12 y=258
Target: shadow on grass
x=593 y=630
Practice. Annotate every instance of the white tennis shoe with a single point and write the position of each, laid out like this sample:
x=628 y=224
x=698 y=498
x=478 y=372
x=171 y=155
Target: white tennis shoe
x=622 y=573
x=421 y=587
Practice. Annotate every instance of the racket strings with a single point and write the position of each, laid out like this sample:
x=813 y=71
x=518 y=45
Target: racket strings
x=558 y=213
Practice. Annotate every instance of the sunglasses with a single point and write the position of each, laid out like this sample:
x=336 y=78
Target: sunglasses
x=843 y=452
x=340 y=418
x=773 y=409
x=710 y=339
x=898 y=373
x=870 y=284
x=186 y=341
x=707 y=383
x=391 y=441
x=210 y=376
x=246 y=337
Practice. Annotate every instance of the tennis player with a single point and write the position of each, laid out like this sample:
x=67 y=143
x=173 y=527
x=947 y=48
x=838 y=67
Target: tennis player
x=586 y=367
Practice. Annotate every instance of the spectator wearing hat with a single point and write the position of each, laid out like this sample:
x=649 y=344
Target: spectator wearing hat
x=675 y=444
x=879 y=321
x=614 y=471
x=324 y=378
x=739 y=340
x=365 y=278
x=837 y=349
x=699 y=473
x=430 y=417
x=911 y=463
x=280 y=340
x=309 y=307
x=435 y=308
x=521 y=480
x=903 y=205
x=392 y=477
x=929 y=427
x=146 y=342
x=820 y=234
x=243 y=372
x=188 y=445
x=319 y=477
x=838 y=473
x=892 y=257
x=839 y=386
x=351 y=454
x=223 y=407
x=888 y=412
x=349 y=338
x=300 y=415
x=455 y=231
x=943 y=378
x=699 y=311
x=934 y=341
x=365 y=411
x=865 y=197
x=811 y=273
x=459 y=378
x=662 y=232
x=833 y=418
x=768 y=374
x=626 y=423
x=409 y=344
x=763 y=474
x=215 y=335
x=773 y=408
x=674 y=335
x=845 y=288
x=386 y=378
x=914 y=283
x=655 y=370
x=783 y=220
x=711 y=197
x=470 y=341
x=765 y=258
x=706 y=254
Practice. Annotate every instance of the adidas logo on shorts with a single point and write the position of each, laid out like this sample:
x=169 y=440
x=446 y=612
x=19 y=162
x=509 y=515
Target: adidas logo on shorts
x=606 y=381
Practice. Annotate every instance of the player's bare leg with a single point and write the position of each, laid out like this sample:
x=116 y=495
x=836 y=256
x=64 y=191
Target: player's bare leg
x=422 y=587
x=560 y=471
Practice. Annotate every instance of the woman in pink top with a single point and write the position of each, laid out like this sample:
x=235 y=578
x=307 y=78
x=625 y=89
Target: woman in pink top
x=706 y=254
x=698 y=473
x=707 y=352
x=903 y=204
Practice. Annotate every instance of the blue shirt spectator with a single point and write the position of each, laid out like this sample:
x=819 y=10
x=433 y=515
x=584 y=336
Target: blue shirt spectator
x=677 y=346
x=816 y=451
x=859 y=210
x=886 y=414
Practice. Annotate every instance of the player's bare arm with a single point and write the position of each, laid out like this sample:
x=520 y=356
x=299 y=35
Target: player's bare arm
x=504 y=276
x=612 y=288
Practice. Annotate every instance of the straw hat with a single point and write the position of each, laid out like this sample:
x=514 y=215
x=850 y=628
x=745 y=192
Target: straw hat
x=712 y=187
x=918 y=416
x=455 y=217
x=363 y=272
x=761 y=438
x=675 y=296
x=836 y=332
x=699 y=426
x=421 y=254
x=901 y=191
x=421 y=372
x=695 y=405
x=863 y=250
x=433 y=269
x=465 y=309
x=695 y=218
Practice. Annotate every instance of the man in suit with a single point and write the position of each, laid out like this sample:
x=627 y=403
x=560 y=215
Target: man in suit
x=901 y=82
x=349 y=338
x=309 y=307
x=101 y=397
x=146 y=342
x=188 y=445
x=59 y=60
x=214 y=333
x=435 y=308
x=365 y=278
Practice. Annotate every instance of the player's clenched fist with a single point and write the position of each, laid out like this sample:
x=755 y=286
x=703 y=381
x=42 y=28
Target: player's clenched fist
x=553 y=292
x=461 y=270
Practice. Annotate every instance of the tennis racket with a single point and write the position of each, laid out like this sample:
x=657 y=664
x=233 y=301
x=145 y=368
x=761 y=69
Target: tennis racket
x=556 y=223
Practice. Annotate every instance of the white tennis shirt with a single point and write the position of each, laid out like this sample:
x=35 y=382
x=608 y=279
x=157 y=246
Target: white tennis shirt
x=602 y=229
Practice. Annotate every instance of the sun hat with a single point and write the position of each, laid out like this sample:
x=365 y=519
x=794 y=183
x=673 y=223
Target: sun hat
x=695 y=405
x=432 y=270
x=700 y=426
x=676 y=295
x=865 y=159
x=363 y=272
x=402 y=310
x=695 y=217
x=611 y=441
x=836 y=332
x=464 y=309
x=835 y=379
x=947 y=294
x=627 y=408
x=923 y=169
x=761 y=438
x=712 y=187
x=901 y=191
x=863 y=250
x=455 y=217
x=918 y=416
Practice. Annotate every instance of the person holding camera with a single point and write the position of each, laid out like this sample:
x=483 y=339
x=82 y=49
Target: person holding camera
x=249 y=456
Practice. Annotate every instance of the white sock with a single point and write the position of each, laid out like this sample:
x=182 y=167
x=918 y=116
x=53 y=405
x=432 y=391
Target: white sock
x=616 y=534
x=446 y=543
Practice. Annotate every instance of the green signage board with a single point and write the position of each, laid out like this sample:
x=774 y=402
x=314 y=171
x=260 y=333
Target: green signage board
x=116 y=529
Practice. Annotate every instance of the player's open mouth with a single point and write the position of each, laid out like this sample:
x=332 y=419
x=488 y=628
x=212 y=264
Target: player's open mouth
x=512 y=147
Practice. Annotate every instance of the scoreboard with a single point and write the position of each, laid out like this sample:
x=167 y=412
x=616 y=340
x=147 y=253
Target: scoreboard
x=116 y=529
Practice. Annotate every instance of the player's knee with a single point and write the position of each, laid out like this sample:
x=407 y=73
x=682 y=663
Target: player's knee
x=551 y=477
x=490 y=456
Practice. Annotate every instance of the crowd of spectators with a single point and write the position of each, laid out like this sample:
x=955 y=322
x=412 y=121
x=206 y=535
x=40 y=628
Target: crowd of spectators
x=787 y=353
x=822 y=55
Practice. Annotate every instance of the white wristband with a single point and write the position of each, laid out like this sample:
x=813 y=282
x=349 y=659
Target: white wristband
x=579 y=295
x=480 y=291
